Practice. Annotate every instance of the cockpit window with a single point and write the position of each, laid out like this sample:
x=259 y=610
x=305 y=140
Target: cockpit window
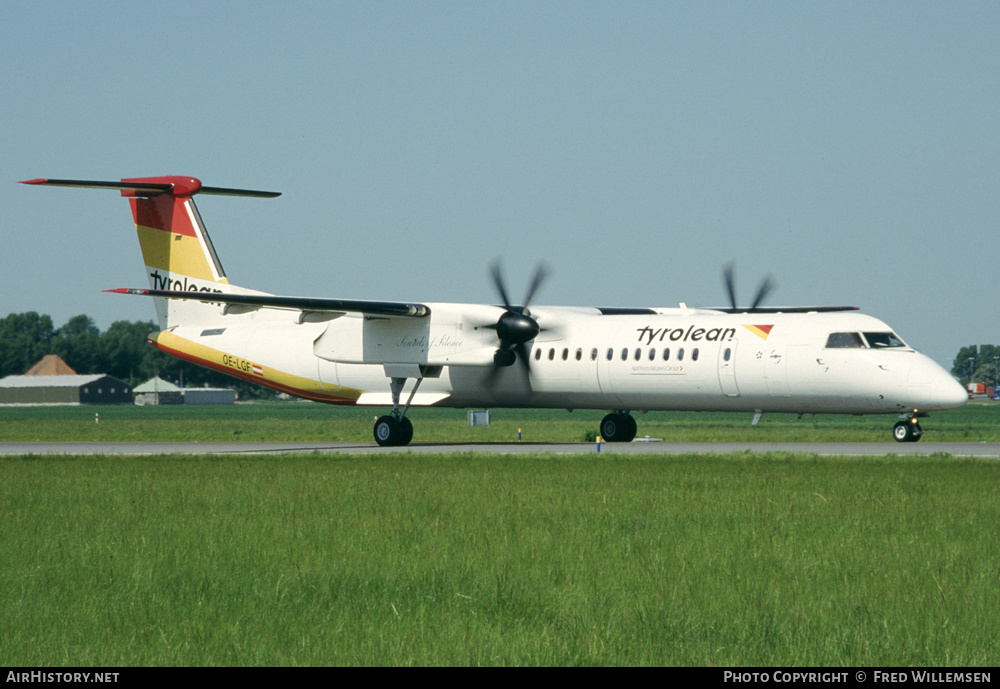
x=855 y=341
x=880 y=340
x=845 y=341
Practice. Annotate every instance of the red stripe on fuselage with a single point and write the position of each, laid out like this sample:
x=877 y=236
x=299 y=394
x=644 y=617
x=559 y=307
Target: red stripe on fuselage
x=256 y=379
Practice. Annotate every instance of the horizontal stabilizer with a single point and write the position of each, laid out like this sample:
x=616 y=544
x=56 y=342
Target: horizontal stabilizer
x=153 y=186
x=369 y=308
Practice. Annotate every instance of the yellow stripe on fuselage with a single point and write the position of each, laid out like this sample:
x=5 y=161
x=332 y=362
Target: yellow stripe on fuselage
x=245 y=369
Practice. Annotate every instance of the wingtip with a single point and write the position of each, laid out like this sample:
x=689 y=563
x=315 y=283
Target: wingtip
x=127 y=290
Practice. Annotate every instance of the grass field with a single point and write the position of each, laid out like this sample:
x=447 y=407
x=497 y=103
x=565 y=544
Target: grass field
x=417 y=559
x=319 y=559
x=283 y=421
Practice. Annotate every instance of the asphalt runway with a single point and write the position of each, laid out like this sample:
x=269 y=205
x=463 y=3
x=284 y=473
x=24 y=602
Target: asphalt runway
x=835 y=449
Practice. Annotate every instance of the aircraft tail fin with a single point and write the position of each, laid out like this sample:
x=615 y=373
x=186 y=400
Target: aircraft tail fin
x=175 y=245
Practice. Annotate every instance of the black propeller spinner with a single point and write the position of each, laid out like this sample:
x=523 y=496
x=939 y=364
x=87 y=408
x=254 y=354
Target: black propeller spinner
x=516 y=327
x=765 y=287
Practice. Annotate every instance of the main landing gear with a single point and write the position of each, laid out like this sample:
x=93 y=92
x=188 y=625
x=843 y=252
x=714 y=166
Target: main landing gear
x=618 y=427
x=908 y=431
x=391 y=431
x=395 y=430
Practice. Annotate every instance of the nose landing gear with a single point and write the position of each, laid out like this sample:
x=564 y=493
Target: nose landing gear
x=908 y=431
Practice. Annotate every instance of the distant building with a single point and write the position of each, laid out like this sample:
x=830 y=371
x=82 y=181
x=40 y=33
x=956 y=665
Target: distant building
x=96 y=388
x=158 y=391
x=51 y=365
x=209 y=396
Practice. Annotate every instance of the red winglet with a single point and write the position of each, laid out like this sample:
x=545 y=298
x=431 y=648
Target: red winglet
x=127 y=290
x=179 y=186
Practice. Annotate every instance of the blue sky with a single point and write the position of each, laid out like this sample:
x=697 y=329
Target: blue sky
x=852 y=150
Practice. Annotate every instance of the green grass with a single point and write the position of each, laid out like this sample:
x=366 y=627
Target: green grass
x=316 y=422
x=487 y=560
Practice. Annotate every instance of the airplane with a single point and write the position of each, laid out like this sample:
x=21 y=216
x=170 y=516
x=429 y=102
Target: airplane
x=804 y=360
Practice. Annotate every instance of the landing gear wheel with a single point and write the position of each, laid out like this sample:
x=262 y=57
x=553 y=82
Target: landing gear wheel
x=618 y=428
x=630 y=429
x=392 y=432
x=907 y=432
x=611 y=427
x=405 y=432
x=386 y=431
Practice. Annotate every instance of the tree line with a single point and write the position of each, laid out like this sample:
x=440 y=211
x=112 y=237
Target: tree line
x=120 y=351
x=977 y=364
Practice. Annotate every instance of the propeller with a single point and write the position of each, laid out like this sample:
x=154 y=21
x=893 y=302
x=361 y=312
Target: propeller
x=516 y=327
x=765 y=287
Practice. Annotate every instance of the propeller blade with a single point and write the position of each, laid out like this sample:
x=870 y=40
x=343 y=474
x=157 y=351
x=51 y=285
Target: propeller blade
x=498 y=282
x=727 y=276
x=515 y=328
x=541 y=272
x=494 y=373
x=522 y=356
x=520 y=352
x=766 y=285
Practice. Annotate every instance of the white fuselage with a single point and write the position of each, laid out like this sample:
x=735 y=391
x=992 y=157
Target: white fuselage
x=666 y=359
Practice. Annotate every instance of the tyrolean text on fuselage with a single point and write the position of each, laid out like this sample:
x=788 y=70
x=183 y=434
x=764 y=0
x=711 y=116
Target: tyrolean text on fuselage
x=648 y=334
x=166 y=282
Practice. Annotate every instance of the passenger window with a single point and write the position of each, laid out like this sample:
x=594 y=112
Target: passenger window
x=565 y=353
x=552 y=353
x=579 y=354
x=593 y=354
x=638 y=353
x=611 y=353
x=694 y=354
x=625 y=354
x=652 y=354
x=680 y=354
x=844 y=341
x=538 y=355
x=727 y=355
x=666 y=354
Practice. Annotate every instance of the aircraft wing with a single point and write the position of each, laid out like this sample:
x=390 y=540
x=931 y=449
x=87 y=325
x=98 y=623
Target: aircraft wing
x=784 y=309
x=377 y=309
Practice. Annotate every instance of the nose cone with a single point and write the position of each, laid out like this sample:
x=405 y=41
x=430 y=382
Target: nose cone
x=950 y=394
x=932 y=388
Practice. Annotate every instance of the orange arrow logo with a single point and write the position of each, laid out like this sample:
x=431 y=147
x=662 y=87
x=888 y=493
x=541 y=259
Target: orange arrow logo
x=761 y=331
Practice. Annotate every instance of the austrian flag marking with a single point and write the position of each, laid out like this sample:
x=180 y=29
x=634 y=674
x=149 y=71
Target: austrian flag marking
x=761 y=331
x=242 y=365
